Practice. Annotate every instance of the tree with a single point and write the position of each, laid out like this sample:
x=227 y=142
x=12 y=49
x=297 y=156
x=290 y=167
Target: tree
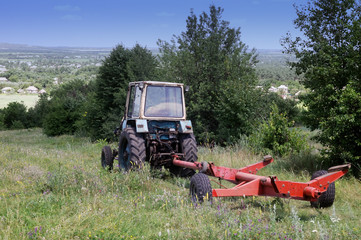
x=210 y=57
x=329 y=55
x=105 y=107
x=64 y=109
x=15 y=116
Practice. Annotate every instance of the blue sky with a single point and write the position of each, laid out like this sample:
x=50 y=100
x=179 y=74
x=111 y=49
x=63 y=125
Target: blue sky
x=106 y=23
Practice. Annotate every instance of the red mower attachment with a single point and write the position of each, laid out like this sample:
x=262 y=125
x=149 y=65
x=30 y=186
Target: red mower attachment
x=320 y=190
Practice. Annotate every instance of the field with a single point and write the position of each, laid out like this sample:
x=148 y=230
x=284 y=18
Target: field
x=29 y=100
x=54 y=188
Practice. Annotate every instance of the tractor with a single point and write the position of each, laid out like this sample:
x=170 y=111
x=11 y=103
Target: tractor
x=154 y=129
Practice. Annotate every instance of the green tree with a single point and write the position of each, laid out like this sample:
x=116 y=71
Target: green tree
x=330 y=58
x=64 y=109
x=210 y=57
x=105 y=107
x=15 y=116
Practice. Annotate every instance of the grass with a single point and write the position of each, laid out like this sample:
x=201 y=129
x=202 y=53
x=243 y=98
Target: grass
x=54 y=188
x=29 y=100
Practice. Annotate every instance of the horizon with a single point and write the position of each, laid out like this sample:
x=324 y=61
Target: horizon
x=24 y=45
x=106 y=24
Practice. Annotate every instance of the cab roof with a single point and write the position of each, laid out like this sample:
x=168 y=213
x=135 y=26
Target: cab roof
x=156 y=83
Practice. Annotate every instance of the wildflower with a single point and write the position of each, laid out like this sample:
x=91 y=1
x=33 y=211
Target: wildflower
x=335 y=219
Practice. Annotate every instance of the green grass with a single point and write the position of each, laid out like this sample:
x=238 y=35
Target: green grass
x=54 y=188
x=29 y=100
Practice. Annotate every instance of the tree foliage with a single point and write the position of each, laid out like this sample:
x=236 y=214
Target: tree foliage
x=63 y=109
x=210 y=57
x=14 y=116
x=105 y=107
x=330 y=58
x=275 y=135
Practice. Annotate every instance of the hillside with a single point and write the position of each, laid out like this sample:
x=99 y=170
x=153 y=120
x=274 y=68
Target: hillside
x=54 y=188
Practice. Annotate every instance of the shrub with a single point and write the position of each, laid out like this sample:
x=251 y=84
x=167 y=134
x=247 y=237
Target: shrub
x=64 y=108
x=37 y=113
x=15 y=116
x=2 y=125
x=275 y=135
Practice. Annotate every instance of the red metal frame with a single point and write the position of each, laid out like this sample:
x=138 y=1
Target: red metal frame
x=250 y=184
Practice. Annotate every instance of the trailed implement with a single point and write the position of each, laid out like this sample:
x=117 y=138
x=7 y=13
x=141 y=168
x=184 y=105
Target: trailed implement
x=320 y=190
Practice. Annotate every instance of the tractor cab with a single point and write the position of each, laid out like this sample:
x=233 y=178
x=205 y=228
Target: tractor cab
x=155 y=100
x=156 y=105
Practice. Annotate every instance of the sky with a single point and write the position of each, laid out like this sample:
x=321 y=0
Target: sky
x=107 y=23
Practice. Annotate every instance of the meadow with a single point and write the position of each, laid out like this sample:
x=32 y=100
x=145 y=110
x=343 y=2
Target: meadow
x=55 y=188
x=29 y=100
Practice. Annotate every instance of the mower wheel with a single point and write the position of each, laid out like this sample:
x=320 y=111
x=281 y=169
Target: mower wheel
x=132 y=152
x=327 y=198
x=200 y=188
x=107 y=158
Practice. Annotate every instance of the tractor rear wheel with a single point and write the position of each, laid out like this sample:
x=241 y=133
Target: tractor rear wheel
x=132 y=152
x=107 y=159
x=327 y=198
x=200 y=188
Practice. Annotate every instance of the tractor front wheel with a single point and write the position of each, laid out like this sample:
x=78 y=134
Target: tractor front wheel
x=107 y=159
x=327 y=198
x=200 y=188
x=132 y=151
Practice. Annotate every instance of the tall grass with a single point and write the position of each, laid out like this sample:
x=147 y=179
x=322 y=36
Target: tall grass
x=54 y=188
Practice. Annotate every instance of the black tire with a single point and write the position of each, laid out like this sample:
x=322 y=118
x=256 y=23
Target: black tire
x=189 y=149
x=132 y=152
x=327 y=198
x=107 y=158
x=200 y=188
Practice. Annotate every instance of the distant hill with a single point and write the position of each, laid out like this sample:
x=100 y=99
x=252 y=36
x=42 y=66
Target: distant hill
x=265 y=56
x=11 y=47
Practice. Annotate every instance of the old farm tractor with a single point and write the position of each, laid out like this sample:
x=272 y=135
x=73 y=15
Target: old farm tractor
x=155 y=129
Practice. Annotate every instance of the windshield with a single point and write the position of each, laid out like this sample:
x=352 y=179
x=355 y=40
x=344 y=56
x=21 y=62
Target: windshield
x=164 y=101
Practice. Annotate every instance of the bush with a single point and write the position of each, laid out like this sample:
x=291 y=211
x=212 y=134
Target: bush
x=64 y=109
x=275 y=136
x=15 y=116
x=2 y=125
x=37 y=113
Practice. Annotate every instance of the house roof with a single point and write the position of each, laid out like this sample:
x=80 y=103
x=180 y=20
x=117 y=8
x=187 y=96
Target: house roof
x=7 y=89
x=31 y=88
x=283 y=86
